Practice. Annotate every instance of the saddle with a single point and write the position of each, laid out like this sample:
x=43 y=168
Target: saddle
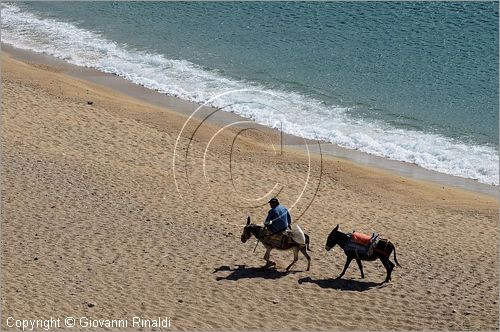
x=284 y=239
x=361 y=244
x=281 y=240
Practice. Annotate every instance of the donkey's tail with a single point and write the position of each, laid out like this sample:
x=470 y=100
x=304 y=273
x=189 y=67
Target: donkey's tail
x=395 y=259
x=307 y=242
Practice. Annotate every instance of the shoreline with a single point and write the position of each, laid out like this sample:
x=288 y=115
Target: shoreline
x=186 y=108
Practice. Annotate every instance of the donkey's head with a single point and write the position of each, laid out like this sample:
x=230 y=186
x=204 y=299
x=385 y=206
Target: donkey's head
x=246 y=231
x=333 y=238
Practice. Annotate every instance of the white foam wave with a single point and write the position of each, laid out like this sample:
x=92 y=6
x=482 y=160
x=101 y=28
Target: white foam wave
x=297 y=113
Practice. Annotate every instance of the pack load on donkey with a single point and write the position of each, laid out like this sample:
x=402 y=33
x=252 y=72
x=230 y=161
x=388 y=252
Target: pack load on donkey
x=361 y=244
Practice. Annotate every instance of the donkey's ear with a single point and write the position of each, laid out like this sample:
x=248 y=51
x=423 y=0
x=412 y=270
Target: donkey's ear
x=248 y=220
x=336 y=228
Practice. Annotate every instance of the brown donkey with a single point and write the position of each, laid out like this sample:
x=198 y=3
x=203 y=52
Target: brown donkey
x=261 y=234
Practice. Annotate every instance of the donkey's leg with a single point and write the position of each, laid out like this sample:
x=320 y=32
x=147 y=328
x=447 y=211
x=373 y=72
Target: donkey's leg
x=295 y=257
x=388 y=266
x=304 y=251
x=360 y=267
x=347 y=262
x=391 y=267
x=266 y=257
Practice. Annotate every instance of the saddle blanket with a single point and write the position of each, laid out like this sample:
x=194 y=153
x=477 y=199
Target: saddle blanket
x=297 y=234
x=358 y=248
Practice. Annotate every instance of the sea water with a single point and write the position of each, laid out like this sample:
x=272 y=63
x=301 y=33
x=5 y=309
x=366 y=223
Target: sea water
x=409 y=81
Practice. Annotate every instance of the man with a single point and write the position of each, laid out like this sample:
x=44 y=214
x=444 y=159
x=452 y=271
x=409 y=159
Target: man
x=278 y=219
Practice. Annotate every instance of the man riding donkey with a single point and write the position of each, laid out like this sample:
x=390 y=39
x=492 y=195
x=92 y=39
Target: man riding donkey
x=278 y=223
x=277 y=233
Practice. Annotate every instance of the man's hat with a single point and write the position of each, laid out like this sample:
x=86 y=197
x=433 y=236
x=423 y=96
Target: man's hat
x=274 y=200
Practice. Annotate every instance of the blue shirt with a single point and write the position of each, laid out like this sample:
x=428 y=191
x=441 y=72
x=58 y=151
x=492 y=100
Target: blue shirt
x=278 y=219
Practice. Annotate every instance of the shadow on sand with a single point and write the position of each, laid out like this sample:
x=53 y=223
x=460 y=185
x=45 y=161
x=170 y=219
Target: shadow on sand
x=243 y=272
x=343 y=284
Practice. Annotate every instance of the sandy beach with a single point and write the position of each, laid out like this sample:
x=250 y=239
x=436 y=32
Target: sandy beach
x=100 y=220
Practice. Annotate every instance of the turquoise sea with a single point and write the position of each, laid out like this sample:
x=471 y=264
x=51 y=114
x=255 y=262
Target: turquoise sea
x=409 y=81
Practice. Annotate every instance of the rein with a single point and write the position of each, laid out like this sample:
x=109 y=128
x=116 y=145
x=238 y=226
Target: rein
x=256 y=244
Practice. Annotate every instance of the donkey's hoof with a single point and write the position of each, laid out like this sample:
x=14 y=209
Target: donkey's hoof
x=269 y=264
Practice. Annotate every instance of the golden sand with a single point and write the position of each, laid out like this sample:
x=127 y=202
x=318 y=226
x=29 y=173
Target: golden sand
x=94 y=225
